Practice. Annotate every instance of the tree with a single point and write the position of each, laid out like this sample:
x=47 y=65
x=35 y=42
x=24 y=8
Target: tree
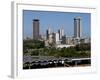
x=83 y=46
x=35 y=53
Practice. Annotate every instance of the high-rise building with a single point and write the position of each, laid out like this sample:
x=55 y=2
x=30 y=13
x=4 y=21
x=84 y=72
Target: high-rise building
x=63 y=39
x=48 y=32
x=56 y=38
x=36 y=29
x=61 y=33
x=51 y=38
x=77 y=27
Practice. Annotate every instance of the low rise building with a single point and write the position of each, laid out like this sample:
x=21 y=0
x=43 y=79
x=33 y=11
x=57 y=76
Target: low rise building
x=63 y=45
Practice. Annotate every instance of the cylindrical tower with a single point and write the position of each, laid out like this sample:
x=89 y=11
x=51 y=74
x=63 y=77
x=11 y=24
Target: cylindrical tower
x=36 y=29
x=77 y=27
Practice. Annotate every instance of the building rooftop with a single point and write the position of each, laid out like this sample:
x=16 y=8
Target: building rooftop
x=35 y=19
x=77 y=17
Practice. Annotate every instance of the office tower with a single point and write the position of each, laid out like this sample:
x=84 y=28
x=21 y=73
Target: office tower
x=36 y=29
x=61 y=33
x=48 y=32
x=51 y=38
x=56 y=38
x=63 y=39
x=77 y=27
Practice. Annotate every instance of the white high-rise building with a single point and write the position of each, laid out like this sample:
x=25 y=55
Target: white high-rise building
x=51 y=38
x=62 y=31
x=56 y=39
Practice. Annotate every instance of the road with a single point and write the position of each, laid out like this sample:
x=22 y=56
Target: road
x=35 y=62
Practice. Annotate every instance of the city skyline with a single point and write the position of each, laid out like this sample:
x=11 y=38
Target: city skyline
x=55 y=21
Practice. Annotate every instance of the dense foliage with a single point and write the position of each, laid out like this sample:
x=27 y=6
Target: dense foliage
x=37 y=48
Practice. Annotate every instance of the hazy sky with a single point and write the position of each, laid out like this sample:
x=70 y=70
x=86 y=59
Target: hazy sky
x=55 y=20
